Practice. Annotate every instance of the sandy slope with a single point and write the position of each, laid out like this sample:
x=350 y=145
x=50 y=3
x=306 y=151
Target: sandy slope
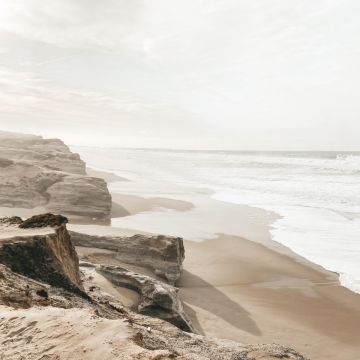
x=41 y=333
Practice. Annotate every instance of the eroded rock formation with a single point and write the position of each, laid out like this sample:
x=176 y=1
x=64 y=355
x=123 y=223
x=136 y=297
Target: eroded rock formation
x=162 y=254
x=42 y=317
x=37 y=172
x=48 y=323
x=157 y=299
x=47 y=255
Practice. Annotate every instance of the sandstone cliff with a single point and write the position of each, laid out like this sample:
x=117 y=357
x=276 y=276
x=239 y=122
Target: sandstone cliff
x=47 y=255
x=37 y=172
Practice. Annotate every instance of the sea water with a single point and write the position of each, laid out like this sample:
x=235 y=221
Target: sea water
x=316 y=194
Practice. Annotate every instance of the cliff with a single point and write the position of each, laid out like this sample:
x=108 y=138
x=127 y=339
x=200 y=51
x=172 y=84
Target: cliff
x=44 y=253
x=37 y=172
x=46 y=300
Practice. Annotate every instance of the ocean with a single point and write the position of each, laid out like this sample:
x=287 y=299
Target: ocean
x=315 y=194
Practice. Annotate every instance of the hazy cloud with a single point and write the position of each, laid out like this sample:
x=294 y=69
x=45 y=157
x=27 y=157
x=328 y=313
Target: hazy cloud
x=218 y=73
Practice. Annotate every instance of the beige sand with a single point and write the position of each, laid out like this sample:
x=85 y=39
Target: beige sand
x=241 y=290
x=245 y=291
x=137 y=204
x=262 y=292
x=64 y=334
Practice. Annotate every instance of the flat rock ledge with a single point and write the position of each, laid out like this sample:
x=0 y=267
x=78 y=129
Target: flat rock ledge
x=164 y=255
x=157 y=299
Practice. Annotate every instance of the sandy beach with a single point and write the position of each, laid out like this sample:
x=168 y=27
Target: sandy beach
x=254 y=290
x=242 y=287
x=241 y=290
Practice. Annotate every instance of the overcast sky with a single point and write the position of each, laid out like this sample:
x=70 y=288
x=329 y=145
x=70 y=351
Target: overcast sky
x=217 y=74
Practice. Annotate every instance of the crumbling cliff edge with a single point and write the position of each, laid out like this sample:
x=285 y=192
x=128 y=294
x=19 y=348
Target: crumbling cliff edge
x=51 y=307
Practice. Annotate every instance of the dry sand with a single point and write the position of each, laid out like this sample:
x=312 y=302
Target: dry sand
x=67 y=334
x=241 y=290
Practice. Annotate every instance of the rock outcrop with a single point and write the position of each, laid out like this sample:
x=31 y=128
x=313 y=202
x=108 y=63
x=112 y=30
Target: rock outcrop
x=46 y=255
x=19 y=291
x=157 y=299
x=49 y=310
x=37 y=172
x=38 y=321
x=162 y=254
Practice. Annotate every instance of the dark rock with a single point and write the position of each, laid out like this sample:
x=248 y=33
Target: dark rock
x=20 y=291
x=13 y=220
x=44 y=220
x=42 y=292
x=50 y=257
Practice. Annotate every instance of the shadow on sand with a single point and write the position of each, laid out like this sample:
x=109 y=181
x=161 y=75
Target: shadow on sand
x=197 y=292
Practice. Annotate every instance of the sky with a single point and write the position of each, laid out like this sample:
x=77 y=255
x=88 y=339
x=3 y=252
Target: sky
x=192 y=74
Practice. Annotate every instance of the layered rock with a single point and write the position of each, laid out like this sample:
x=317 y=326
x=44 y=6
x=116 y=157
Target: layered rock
x=37 y=172
x=19 y=291
x=157 y=299
x=39 y=268
x=162 y=254
x=46 y=254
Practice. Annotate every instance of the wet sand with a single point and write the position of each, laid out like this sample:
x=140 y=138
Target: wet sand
x=241 y=290
x=133 y=204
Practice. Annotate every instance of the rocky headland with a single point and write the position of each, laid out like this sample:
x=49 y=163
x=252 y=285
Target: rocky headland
x=43 y=173
x=51 y=308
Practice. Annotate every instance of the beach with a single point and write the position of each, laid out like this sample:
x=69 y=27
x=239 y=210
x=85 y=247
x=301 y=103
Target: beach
x=179 y=180
x=251 y=289
x=240 y=290
x=237 y=282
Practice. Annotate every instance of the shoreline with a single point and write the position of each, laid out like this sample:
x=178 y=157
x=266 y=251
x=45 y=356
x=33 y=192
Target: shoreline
x=247 y=287
x=242 y=290
x=279 y=296
x=261 y=291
